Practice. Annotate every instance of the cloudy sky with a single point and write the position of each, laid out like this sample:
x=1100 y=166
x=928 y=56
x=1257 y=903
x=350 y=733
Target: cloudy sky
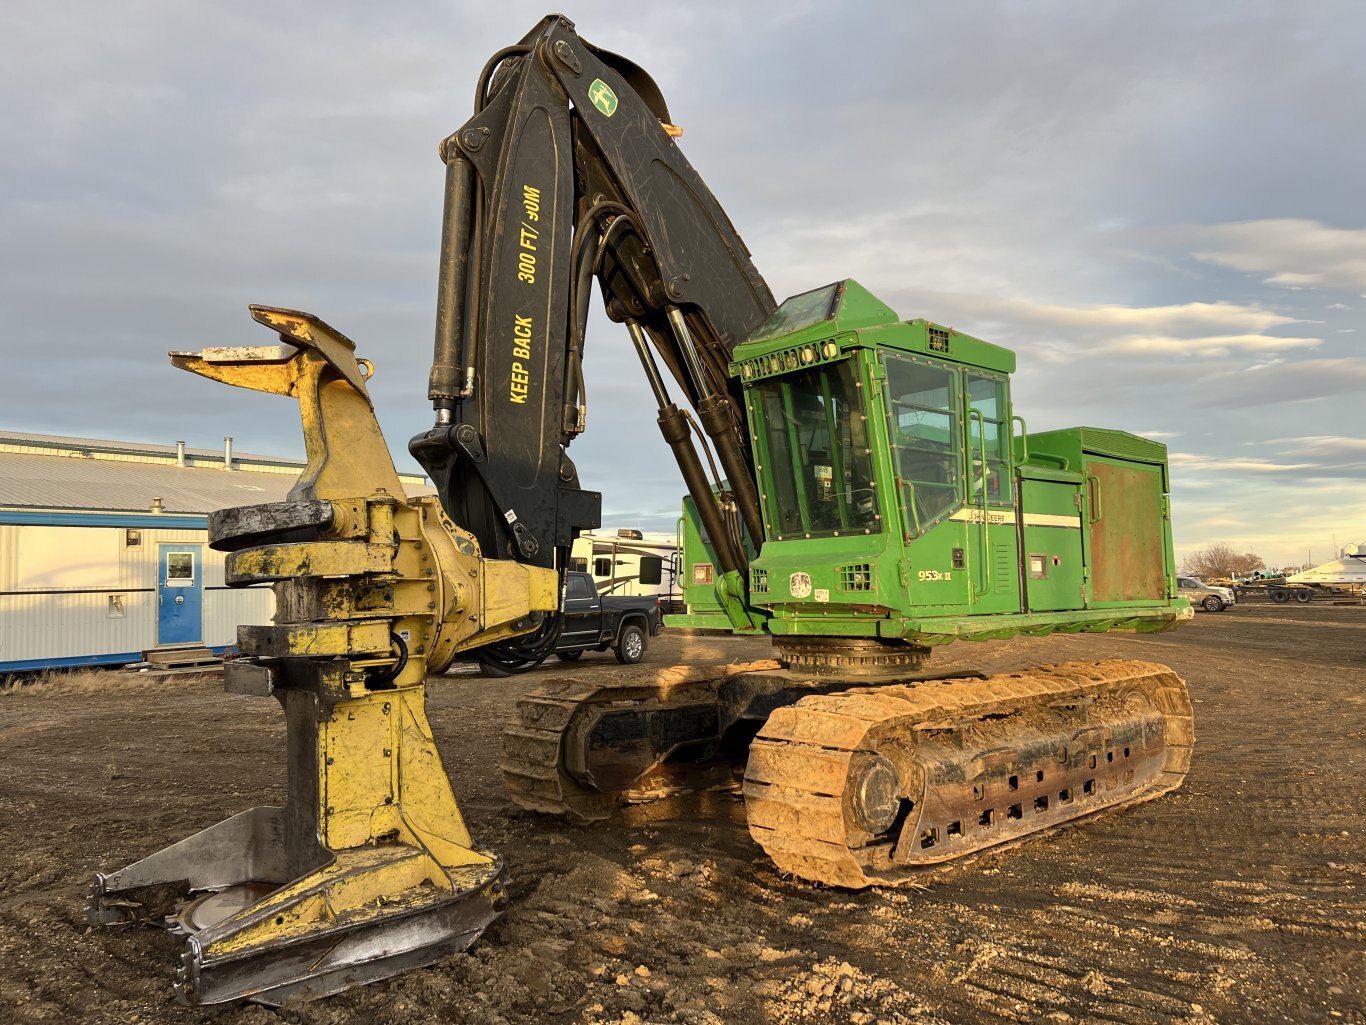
x=1158 y=205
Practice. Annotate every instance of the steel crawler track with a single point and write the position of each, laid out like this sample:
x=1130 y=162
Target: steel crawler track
x=884 y=785
x=582 y=749
x=878 y=785
x=532 y=767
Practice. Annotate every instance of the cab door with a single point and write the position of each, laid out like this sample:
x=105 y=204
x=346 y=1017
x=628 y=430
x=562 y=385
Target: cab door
x=991 y=502
x=925 y=431
x=582 y=614
x=950 y=437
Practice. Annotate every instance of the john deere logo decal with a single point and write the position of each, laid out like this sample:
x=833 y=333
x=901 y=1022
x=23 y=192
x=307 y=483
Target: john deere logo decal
x=602 y=96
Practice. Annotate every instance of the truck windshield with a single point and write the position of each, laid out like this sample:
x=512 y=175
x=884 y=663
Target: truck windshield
x=817 y=468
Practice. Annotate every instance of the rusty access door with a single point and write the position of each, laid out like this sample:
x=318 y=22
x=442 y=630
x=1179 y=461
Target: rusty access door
x=1126 y=511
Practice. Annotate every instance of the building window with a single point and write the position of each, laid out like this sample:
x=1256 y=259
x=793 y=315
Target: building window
x=179 y=569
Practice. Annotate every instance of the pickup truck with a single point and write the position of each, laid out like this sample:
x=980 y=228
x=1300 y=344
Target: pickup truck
x=594 y=622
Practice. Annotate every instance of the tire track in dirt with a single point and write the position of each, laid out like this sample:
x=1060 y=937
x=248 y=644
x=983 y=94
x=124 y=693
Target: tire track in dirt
x=1236 y=899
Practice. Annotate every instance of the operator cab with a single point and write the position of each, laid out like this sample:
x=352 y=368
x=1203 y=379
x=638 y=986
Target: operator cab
x=900 y=503
x=834 y=368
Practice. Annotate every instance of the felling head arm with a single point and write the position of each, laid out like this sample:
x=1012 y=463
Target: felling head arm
x=317 y=365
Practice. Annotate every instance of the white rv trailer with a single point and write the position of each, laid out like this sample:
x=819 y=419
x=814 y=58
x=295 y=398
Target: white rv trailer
x=104 y=550
x=631 y=562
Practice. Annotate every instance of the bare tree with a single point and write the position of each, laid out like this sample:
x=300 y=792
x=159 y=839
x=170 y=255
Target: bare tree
x=1221 y=561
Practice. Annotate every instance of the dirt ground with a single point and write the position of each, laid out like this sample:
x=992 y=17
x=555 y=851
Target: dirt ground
x=1240 y=898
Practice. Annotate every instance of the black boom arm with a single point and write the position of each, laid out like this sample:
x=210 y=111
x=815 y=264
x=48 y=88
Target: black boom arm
x=568 y=172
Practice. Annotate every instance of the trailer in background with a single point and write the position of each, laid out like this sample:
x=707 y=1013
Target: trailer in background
x=104 y=548
x=90 y=589
x=631 y=562
x=1342 y=581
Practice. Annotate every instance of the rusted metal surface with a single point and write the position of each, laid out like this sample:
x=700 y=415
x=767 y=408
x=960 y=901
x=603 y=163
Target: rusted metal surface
x=1127 y=556
x=880 y=786
x=240 y=526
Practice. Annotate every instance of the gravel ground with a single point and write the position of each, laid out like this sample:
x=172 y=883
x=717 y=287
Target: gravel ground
x=1240 y=898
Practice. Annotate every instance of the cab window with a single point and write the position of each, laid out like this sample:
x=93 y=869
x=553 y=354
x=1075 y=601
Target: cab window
x=988 y=438
x=817 y=460
x=923 y=424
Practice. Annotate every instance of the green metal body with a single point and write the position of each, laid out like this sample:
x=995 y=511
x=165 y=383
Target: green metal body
x=900 y=501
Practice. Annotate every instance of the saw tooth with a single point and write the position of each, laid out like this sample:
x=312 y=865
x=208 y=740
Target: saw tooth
x=186 y=974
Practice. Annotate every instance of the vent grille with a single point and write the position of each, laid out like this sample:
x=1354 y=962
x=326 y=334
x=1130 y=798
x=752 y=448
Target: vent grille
x=858 y=577
x=939 y=340
x=758 y=580
x=1127 y=446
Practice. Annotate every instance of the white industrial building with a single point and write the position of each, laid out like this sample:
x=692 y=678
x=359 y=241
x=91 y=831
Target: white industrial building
x=104 y=547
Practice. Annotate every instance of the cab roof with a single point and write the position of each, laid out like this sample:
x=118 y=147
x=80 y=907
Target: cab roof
x=852 y=316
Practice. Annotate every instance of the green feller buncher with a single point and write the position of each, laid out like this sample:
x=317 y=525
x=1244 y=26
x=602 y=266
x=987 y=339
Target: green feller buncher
x=880 y=497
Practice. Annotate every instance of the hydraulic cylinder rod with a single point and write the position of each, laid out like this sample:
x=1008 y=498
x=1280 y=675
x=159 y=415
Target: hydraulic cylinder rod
x=674 y=426
x=448 y=352
x=715 y=413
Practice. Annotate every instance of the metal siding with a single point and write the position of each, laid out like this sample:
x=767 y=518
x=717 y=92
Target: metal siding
x=137 y=452
x=69 y=558
x=9 y=557
x=88 y=449
x=50 y=626
x=96 y=484
x=224 y=610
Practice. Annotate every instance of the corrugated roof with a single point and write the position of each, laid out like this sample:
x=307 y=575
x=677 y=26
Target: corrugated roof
x=103 y=445
x=66 y=482
x=69 y=481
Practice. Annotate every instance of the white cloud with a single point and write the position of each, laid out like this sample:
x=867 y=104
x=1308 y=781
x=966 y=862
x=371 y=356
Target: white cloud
x=1191 y=461
x=1213 y=345
x=1324 y=446
x=1183 y=318
x=1291 y=252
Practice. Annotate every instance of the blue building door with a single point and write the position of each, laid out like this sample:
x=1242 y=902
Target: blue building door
x=180 y=594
